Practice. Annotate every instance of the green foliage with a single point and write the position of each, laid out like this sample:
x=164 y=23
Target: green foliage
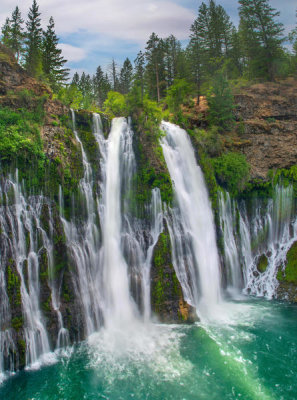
x=261 y=35
x=178 y=94
x=19 y=137
x=289 y=275
x=221 y=104
x=71 y=96
x=33 y=55
x=209 y=141
x=12 y=33
x=115 y=105
x=285 y=177
x=52 y=60
x=232 y=172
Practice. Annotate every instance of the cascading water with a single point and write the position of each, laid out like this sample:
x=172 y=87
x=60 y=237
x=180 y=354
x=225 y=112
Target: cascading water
x=83 y=241
x=20 y=220
x=231 y=255
x=119 y=307
x=269 y=229
x=271 y=234
x=117 y=169
x=192 y=227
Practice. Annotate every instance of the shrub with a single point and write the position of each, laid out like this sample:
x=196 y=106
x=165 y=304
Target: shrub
x=232 y=172
x=221 y=105
x=115 y=105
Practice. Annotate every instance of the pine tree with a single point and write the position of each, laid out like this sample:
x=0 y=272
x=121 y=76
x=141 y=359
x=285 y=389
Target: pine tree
x=261 y=35
x=211 y=33
x=113 y=72
x=101 y=86
x=221 y=104
x=17 y=34
x=126 y=76
x=33 y=54
x=52 y=59
x=155 y=69
x=172 y=50
x=6 y=33
x=293 y=38
x=139 y=71
x=75 y=79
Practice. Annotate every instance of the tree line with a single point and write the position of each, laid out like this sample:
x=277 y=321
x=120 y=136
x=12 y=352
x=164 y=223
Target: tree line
x=34 y=48
x=255 y=50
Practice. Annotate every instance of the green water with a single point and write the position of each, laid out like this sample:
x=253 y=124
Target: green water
x=251 y=353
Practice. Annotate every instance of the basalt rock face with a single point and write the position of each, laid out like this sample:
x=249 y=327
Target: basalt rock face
x=269 y=114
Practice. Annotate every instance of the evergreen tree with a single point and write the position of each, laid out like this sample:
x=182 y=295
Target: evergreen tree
x=75 y=79
x=172 y=50
x=139 y=71
x=33 y=55
x=155 y=69
x=113 y=71
x=195 y=58
x=293 y=38
x=17 y=34
x=101 y=86
x=6 y=33
x=211 y=34
x=262 y=36
x=126 y=76
x=52 y=59
x=221 y=104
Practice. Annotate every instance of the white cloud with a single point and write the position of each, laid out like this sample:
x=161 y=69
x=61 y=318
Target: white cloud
x=131 y=19
x=72 y=53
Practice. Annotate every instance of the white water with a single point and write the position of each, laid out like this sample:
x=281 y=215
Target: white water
x=118 y=304
x=269 y=229
x=22 y=220
x=83 y=241
x=192 y=228
x=230 y=239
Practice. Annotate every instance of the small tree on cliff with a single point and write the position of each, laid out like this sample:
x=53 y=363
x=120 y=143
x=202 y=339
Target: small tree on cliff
x=52 y=60
x=6 y=33
x=33 y=55
x=221 y=105
x=17 y=33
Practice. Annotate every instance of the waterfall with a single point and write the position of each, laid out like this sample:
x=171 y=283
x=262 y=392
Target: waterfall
x=272 y=233
x=118 y=304
x=24 y=241
x=192 y=228
x=113 y=259
x=269 y=229
x=227 y=211
x=83 y=241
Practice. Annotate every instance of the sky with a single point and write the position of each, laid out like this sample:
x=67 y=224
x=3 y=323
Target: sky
x=92 y=32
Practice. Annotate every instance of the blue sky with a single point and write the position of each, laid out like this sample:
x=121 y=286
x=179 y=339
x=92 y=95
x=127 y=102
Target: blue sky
x=92 y=32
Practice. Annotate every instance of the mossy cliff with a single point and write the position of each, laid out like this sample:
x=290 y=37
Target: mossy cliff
x=287 y=276
x=167 y=298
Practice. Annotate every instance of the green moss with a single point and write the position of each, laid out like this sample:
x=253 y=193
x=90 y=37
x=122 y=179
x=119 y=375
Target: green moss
x=161 y=252
x=13 y=285
x=17 y=323
x=262 y=263
x=21 y=344
x=46 y=305
x=289 y=275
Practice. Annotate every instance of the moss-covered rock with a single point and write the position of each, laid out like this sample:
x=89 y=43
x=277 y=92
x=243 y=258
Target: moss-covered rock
x=262 y=263
x=288 y=277
x=166 y=293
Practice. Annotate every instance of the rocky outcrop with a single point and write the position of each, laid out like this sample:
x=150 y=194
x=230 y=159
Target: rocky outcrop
x=167 y=298
x=267 y=114
x=287 y=277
